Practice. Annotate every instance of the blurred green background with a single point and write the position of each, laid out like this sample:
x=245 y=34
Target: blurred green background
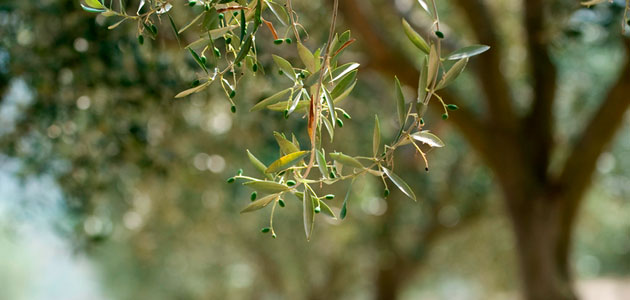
x=112 y=189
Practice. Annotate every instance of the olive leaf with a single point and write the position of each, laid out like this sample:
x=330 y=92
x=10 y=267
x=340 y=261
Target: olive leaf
x=428 y=138
x=260 y=203
x=467 y=51
x=286 y=161
x=400 y=183
x=346 y=160
x=271 y=99
x=415 y=37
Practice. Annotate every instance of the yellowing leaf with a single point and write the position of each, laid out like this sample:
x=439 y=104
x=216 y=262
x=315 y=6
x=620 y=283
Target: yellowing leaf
x=285 y=145
x=94 y=4
x=286 y=161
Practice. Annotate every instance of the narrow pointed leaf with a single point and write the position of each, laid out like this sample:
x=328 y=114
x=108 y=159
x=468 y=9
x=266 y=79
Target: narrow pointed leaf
x=400 y=103
x=452 y=73
x=331 y=105
x=343 y=85
x=94 y=4
x=376 y=137
x=280 y=13
x=244 y=49
x=415 y=37
x=193 y=90
x=344 y=207
x=400 y=183
x=285 y=66
x=308 y=213
x=467 y=51
x=257 y=163
x=285 y=145
x=422 y=80
x=91 y=9
x=434 y=64
x=267 y=186
x=271 y=100
x=286 y=161
x=346 y=160
x=321 y=163
x=428 y=138
x=326 y=209
x=343 y=70
x=307 y=57
x=260 y=203
x=296 y=101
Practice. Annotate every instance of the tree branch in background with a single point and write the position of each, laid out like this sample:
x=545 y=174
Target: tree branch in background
x=580 y=165
x=386 y=58
x=539 y=124
x=488 y=67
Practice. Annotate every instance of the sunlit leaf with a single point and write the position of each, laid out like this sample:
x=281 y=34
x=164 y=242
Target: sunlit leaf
x=286 y=161
x=343 y=70
x=260 y=203
x=296 y=101
x=400 y=183
x=91 y=9
x=424 y=6
x=428 y=138
x=415 y=37
x=467 y=51
x=94 y=4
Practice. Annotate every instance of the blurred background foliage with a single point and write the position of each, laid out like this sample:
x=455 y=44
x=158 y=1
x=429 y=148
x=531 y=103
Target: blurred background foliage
x=141 y=176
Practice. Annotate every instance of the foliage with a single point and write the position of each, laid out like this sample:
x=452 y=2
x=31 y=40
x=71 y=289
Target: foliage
x=317 y=89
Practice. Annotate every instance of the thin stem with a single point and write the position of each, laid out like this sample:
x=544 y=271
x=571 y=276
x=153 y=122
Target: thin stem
x=291 y=15
x=316 y=98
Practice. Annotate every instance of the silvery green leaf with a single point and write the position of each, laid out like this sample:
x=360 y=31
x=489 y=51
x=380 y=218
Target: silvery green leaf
x=467 y=51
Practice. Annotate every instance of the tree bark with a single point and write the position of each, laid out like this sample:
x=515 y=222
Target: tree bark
x=543 y=258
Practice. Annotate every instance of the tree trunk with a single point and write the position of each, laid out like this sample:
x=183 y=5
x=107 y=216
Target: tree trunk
x=543 y=253
x=387 y=283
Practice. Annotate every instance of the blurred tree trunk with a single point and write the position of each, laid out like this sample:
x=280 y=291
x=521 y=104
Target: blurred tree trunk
x=542 y=205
